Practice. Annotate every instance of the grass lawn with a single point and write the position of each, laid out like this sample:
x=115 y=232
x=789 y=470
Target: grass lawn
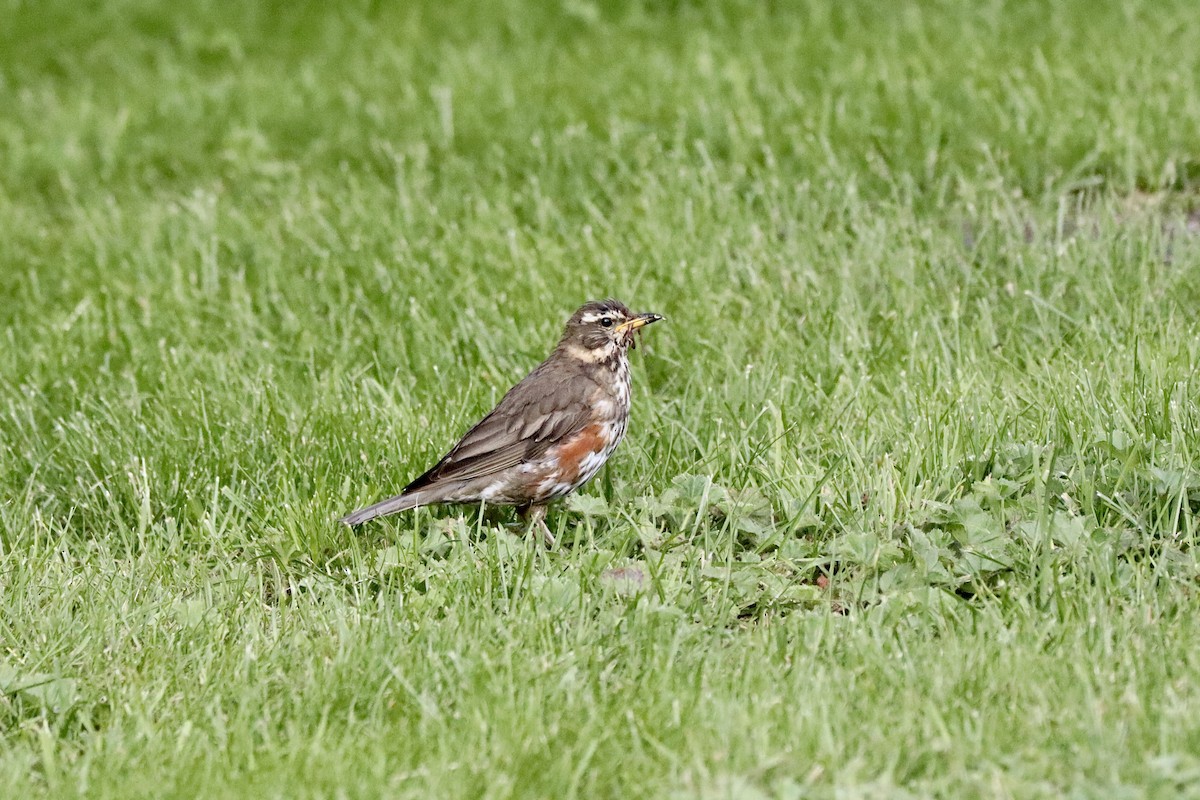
x=910 y=498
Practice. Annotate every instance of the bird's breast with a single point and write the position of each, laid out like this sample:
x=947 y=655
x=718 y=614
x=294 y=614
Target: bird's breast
x=617 y=384
x=576 y=460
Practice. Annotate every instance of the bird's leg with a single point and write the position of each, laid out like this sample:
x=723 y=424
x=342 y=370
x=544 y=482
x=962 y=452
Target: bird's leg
x=534 y=515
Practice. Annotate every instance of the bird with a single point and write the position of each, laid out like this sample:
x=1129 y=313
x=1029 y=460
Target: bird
x=550 y=433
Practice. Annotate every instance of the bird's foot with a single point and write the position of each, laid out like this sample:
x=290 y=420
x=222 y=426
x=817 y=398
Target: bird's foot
x=542 y=531
x=535 y=517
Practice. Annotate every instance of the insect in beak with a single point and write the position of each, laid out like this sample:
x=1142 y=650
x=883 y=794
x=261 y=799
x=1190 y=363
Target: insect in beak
x=633 y=326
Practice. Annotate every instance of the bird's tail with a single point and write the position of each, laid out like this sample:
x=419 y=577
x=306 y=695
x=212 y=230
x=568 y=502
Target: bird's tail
x=393 y=505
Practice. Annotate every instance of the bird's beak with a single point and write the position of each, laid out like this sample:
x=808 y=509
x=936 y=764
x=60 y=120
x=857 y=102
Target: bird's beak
x=640 y=321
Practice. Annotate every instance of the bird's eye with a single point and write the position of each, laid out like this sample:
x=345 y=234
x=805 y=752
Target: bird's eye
x=606 y=321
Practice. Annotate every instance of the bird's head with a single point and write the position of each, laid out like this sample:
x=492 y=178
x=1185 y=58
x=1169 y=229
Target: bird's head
x=602 y=329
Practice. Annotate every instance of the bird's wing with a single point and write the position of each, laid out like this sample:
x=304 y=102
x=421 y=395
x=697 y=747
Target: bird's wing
x=543 y=409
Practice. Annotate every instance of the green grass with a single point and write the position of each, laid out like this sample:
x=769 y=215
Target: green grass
x=909 y=502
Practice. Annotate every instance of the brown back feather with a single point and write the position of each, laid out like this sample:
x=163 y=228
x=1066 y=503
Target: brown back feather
x=550 y=404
